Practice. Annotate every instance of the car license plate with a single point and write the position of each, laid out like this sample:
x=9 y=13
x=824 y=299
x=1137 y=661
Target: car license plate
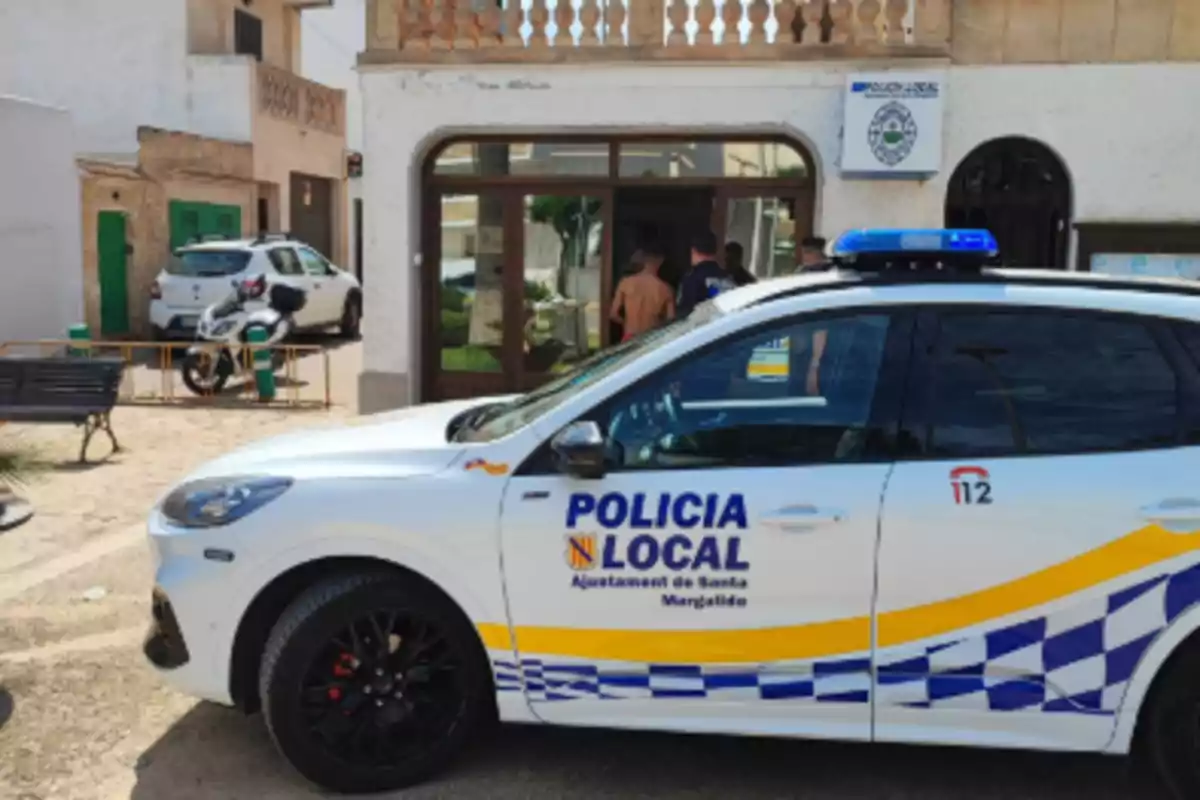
x=189 y=321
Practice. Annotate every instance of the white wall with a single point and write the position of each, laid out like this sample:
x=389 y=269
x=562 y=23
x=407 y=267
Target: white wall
x=332 y=39
x=41 y=252
x=1124 y=133
x=220 y=96
x=115 y=64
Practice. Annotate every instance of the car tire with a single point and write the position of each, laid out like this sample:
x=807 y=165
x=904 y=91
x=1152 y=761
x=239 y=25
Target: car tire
x=350 y=326
x=327 y=685
x=1167 y=747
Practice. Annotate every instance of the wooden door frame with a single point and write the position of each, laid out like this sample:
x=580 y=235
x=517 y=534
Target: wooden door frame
x=513 y=188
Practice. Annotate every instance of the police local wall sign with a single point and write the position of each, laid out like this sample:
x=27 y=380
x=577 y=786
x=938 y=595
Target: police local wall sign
x=892 y=125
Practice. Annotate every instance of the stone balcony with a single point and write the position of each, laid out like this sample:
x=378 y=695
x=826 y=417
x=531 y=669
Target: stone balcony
x=589 y=31
x=231 y=97
x=290 y=98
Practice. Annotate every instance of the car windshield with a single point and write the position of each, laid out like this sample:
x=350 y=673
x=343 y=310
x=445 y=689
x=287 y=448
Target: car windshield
x=208 y=263
x=500 y=420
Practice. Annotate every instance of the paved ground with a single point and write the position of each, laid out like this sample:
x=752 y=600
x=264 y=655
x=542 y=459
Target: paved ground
x=90 y=720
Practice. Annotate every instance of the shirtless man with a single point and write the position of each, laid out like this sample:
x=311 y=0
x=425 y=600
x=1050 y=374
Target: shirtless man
x=643 y=300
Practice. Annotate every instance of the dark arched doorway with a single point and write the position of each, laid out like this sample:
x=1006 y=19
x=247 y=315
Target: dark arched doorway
x=1019 y=190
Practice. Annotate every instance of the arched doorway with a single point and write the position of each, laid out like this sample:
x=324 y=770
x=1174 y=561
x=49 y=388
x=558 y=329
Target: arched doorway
x=1019 y=190
x=525 y=238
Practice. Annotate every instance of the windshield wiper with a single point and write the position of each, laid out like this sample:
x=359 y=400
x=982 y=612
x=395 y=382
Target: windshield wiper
x=476 y=418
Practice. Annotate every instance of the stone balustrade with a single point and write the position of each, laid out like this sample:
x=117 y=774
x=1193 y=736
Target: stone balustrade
x=286 y=96
x=481 y=31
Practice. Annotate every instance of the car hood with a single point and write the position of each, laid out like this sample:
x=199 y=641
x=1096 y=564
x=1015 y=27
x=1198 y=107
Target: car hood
x=395 y=444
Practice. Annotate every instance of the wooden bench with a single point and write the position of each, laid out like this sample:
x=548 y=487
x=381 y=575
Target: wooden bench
x=81 y=391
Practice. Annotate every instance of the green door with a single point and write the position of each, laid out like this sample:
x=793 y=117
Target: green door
x=225 y=220
x=113 y=270
x=190 y=220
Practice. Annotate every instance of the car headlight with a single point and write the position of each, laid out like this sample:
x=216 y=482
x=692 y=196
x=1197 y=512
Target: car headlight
x=222 y=328
x=213 y=502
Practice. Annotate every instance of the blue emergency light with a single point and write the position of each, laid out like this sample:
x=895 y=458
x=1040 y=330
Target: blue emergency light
x=899 y=242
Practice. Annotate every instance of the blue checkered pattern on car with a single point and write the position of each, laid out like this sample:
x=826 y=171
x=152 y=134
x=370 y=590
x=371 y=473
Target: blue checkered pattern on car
x=1075 y=659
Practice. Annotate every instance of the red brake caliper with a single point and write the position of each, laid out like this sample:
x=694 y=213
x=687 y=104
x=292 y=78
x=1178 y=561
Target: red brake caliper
x=342 y=668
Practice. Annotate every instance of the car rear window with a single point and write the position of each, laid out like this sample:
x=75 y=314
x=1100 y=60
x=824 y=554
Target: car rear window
x=208 y=263
x=1042 y=382
x=1190 y=334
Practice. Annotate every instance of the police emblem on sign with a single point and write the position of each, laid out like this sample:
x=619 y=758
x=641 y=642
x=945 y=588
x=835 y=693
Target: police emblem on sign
x=581 y=551
x=892 y=133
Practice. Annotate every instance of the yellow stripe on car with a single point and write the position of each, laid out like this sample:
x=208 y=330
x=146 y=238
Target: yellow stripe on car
x=1142 y=548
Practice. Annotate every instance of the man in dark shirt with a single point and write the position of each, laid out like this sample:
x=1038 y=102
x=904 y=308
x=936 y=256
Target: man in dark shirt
x=734 y=265
x=812 y=254
x=706 y=278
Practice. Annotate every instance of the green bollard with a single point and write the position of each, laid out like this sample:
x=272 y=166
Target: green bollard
x=264 y=375
x=79 y=333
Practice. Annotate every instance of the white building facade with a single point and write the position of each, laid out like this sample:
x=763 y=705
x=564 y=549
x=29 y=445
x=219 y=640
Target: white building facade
x=273 y=155
x=1073 y=165
x=39 y=223
x=332 y=39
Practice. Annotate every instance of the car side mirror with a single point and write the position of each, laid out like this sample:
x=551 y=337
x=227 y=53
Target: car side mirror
x=580 y=449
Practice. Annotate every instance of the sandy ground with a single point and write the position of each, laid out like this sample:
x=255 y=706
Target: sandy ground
x=90 y=719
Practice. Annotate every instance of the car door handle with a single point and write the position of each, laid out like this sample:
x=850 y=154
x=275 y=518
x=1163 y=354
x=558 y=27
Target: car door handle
x=801 y=517
x=1181 y=509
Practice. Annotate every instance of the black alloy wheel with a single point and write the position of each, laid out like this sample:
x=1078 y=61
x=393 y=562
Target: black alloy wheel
x=370 y=684
x=1169 y=730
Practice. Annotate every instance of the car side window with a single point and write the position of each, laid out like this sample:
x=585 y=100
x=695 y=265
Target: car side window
x=1189 y=334
x=286 y=262
x=1044 y=382
x=313 y=263
x=793 y=394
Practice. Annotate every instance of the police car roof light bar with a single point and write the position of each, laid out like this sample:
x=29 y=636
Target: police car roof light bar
x=914 y=249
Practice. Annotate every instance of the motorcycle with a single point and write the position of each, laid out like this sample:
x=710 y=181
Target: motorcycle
x=207 y=369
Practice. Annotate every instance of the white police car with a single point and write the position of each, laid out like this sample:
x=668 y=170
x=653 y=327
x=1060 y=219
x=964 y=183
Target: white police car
x=964 y=511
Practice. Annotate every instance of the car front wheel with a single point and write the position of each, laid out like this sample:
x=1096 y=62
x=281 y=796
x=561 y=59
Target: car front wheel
x=1170 y=736
x=371 y=682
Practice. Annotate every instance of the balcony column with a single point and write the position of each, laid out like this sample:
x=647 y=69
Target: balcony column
x=932 y=21
x=646 y=22
x=383 y=25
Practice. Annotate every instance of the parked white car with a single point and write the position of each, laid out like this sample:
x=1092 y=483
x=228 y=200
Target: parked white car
x=199 y=275
x=962 y=510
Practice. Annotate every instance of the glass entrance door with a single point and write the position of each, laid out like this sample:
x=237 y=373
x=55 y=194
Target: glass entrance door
x=518 y=279
x=466 y=329
x=766 y=227
x=565 y=280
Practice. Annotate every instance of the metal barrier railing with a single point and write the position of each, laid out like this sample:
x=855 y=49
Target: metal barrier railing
x=144 y=358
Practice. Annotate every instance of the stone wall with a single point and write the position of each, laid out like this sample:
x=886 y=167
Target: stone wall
x=1075 y=31
x=210 y=29
x=170 y=166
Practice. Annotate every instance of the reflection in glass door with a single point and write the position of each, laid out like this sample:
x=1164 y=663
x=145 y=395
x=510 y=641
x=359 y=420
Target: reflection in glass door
x=470 y=287
x=563 y=263
x=766 y=229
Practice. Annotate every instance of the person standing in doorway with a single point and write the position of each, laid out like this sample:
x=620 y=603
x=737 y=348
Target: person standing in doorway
x=734 y=255
x=812 y=259
x=706 y=278
x=643 y=300
x=812 y=254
